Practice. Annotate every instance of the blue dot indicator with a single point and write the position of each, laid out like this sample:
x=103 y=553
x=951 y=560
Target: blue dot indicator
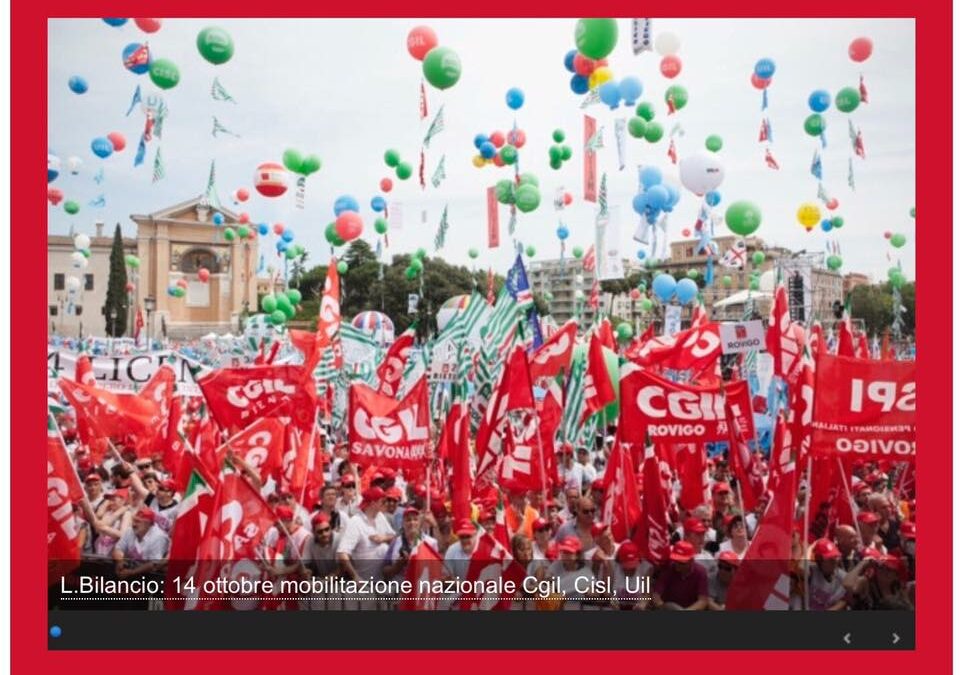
x=55 y=631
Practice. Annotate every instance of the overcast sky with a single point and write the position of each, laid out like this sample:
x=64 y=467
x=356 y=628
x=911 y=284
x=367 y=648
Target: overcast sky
x=347 y=90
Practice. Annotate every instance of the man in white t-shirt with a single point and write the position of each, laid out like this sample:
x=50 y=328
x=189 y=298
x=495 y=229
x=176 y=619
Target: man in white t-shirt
x=457 y=558
x=299 y=535
x=825 y=583
x=695 y=532
x=143 y=548
x=365 y=539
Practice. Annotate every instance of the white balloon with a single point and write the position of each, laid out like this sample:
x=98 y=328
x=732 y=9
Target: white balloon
x=81 y=242
x=73 y=164
x=79 y=260
x=701 y=172
x=666 y=44
x=767 y=281
x=73 y=284
x=578 y=295
x=53 y=162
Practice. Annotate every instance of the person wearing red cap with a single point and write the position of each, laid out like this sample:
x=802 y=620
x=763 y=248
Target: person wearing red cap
x=736 y=539
x=366 y=538
x=722 y=499
x=110 y=521
x=519 y=514
x=629 y=571
x=93 y=486
x=879 y=582
x=291 y=531
x=143 y=548
x=328 y=505
x=582 y=526
x=719 y=578
x=848 y=541
x=683 y=583
x=348 y=502
x=165 y=503
x=868 y=522
x=406 y=544
x=695 y=532
x=570 y=572
x=457 y=557
x=603 y=552
x=320 y=553
x=825 y=588
x=888 y=527
x=391 y=501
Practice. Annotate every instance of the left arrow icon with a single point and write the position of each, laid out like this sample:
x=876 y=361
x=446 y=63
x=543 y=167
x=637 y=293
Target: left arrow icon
x=846 y=638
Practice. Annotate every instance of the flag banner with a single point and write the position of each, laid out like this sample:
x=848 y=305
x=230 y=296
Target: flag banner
x=218 y=128
x=135 y=101
x=441 y=238
x=98 y=202
x=678 y=413
x=620 y=133
x=621 y=501
x=425 y=571
x=63 y=491
x=128 y=373
x=493 y=219
x=522 y=466
x=390 y=370
x=239 y=396
x=194 y=512
x=640 y=35
x=865 y=409
x=610 y=262
x=436 y=126
x=694 y=348
x=439 y=173
x=141 y=152
x=210 y=194
x=598 y=390
x=554 y=356
x=653 y=537
x=589 y=159
x=219 y=93
x=784 y=339
x=816 y=166
x=386 y=432
x=260 y=446
x=423 y=101
x=158 y=171
x=741 y=337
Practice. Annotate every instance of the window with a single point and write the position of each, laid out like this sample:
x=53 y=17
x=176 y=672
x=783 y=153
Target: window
x=77 y=310
x=53 y=310
x=88 y=282
x=58 y=281
x=689 y=252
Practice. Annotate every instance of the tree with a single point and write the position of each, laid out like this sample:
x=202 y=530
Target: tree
x=874 y=305
x=298 y=268
x=115 y=308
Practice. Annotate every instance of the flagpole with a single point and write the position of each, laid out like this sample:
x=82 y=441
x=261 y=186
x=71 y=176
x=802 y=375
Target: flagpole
x=806 y=536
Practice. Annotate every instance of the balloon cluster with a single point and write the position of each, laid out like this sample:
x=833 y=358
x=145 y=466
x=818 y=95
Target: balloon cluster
x=559 y=153
x=656 y=196
x=896 y=277
x=441 y=65
x=281 y=306
x=179 y=289
x=667 y=45
x=348 y=224
x=595 y=40
x=665 y=287
x=498 y=148
x=415 y=268
x=299 y=163
x=81 y=244
x=828 y=224
x=762 y=75
x=525 y=194
x=392 y=159
x=641 y=125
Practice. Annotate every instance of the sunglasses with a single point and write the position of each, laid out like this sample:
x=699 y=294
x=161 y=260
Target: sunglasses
x=588 y=511
x=322 y=530
x=723 y=567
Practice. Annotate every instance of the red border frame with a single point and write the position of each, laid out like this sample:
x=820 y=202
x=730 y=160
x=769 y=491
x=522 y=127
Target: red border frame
x=28 y=239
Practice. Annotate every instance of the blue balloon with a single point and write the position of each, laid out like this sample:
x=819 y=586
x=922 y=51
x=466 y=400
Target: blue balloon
x=712 y=197
x=640 y=203
x=378 y=203
x=765 y=69
x=345 y=203
x=664 y=286
x=610 y=94
x=652 y=215
x=514 y=99
x=826 y=224
x=568 y=60
x=479 y=140
x=115 y=22
x=674 y=196
x=819 y=101
x=562 y=232
x=579 y=85
x=281 y=245
x=488 y=150
x=630 y=90
x=218 y=219
x=77 y=85
x=129 y=64
x=287 y=236
x=102 y=147
x=263 y=228
x=641 y=254
x=657 y=197
x=686 y=290
x=53 y=166
x=650 y=176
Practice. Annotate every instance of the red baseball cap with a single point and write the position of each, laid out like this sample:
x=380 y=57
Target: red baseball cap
x=720 y=486
x=488 y=514
x=694 y=525
x=93 y=478
x=387 y=473
x=868 y=518
x=168 y=485
x=411 y=509
x=394 y=493
x=145 y=513
x=824 y=548
x=729 y=557
x=284 y=513
x=908 y=529
x=465 y=528
x=570 y=545
x=373 y=494
x=862 y=486
x=891 y=562
x=682 y=551
x=597 y=485
x=628 y=553
x=318 y=517
x=541 y=524
x=348 y=479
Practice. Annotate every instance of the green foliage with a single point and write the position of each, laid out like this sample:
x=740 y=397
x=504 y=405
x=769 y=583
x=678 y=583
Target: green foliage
x=874 y=304
x=116 y=288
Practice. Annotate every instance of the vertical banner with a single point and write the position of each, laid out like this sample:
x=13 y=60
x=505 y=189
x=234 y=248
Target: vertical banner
x=671 y=319
x=589 y=160
x=493 y=218
x=396 y=215
x=611 y=256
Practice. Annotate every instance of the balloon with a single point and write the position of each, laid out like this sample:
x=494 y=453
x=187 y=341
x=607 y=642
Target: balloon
x=343 y=267
x=678 y=94
x=758 y=257
x=670 y=66
x=515 y=98
x=441 y=67
x=758 y=82
x=898 y=240
x=714 y=143
x=294 y=296
x=263 y=228
x=833 y=203
x=701 y=173
x=79 y=260
x=664 y=286
x=404 y=170
x=117 y=140
x=53 y=167
x=657 y=197
x=488 y=150
x=808 y=215
x=54 y=195
x=378 y=204
x=727 y=281
x=386 y=185
x=270 y=179
x=692 y=273
x=278 y=318
x=640 y=203
x=529 y=179
x=136 y=58
x=563 y=233
x=848 y=99
x=743 y=218
x=645 y=111
x=630 y=90
x=826 y=225
x=203 y=274
x=77 y=85
x=595 y=38
x=646 y=305
x=292 y=159
x=380 y=226
x=290 y=252
x=243 y=231
x=420 y=40
x=505 y=191
x=819 y=101
x=567 y=199
x=624 y=331
x=345 y=203
x=568 y=60
x=229 y=234
x=579 y=84
x=666 y=44
x=508 y=154
x=116 y=23
x=765 y=69
x=860 y=49
x=530 y=251
x=215 y=45
x=164 y=73
x=498 y=139
x=686 y=290
x=349 y=225
x=81 y=241
x=685 y=232
x=516 y=138
x=287 y=235
x=392 y=158
x=634 y=294
x=330 y=233
x=218 y=219
x=528 y=198
x=583 y=65
x=101 y=147
x=497 y=160
x=650 y=176
x=653 y=132
x=834 y=262
x=577 y=252
x=712 y=198
x=310 y=164
x=148 y=25
x=637 y=127
x=814 y=125
x=132 y=261
x=610 y=94
x=837 y=222
x=600 y=75
x=473 y=253
x=754 y=284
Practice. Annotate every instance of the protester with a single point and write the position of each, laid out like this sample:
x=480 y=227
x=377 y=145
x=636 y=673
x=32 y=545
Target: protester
x=825 y=579
x=682 y=584
x=365 y=539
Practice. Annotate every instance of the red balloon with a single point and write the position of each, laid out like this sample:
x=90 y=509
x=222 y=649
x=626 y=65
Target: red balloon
x=498 y=139
x=242 y=195
x=54 y=195
x=634 y=293
x=583 y=65
x=278 y=228
x=670 y=66
x=203 y=274
x=117 y=140
x=386 y=184
x=759 y=82
x=887 y=234
x=349 y=225
x=130 y=287
x=516 y=138
x=244 y=218
x=498 y=160
x=567 y=199
x=833 y=204
x=861 y=49
x=148 y=25
x=421 y=40
x=182 y=283
x=685 y=232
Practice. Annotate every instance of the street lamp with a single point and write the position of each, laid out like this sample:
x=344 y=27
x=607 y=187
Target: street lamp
x=113 y=322
x=149 y=304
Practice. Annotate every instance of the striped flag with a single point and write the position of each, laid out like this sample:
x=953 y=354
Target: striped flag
x=441 y=237
x=439 y=173
x=210 y=195
x=436 y=126
x=220 y=129
x=590 y=260
x=137 y=99
x=218 y=93
x=158 y=170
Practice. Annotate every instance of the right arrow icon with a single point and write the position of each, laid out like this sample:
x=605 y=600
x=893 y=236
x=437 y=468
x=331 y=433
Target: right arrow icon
x=896 y=638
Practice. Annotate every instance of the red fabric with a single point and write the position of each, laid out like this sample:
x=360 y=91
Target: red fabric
x=387 y=432
x=260 y=446
x=490 y=559
x=424 y=565
x=554 y=355
x=239 y=396
x=653 y=535
x=522 y=466
x=194 y=512
x=782 y=341
x=127 y=418
x=692 y=467
x=390 y=371
x=741 y=461
x=621 y=502
x=598 y=390
x=696 y=348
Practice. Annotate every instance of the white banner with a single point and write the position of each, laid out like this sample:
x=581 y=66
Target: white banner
x=671 y=319
x=740 y=337
x=611 y=253
x=123 y=373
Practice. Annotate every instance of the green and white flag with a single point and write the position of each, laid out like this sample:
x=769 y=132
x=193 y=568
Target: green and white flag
x=218 y=93
x=441 y=237
x=440 y=173
x=210 y=195
x=602 y=199
x=220 y=129
x=592 y=97
x=158 y=170
x=595 y=142
x=436 y=126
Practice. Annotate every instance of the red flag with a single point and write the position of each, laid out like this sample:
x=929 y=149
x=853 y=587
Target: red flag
x=598 y=390
x=63 y=491
x=490 y=560
x=550 y=411
x=692 y=468
x=493 y=219
x=172 y=442
x=192 y=515
x=589 y=160
x=138 y=325
x=671 y=105
x=816 y=338
x=863 y=91
x=455 y=447
x=886 y=353
x=770 y=160
x=699 y=316
x=126 y=418
x=390 y=372
x=845 y=345
x=387 y=432
x=554 y=355
x=621 y=503
x=863 y=349
x=605 y=333
x=696 y=348
x=491 y=298
x=424 y=568
x=522 y=466
x=594 y=300
x=741 y=459
x=63 y=484
x=653 y=535
x=514 y=391
x=328 y=322
x=239 y=396
x=590 y=259
x=672 y=152
x=423 y=101
x=83 y=371
x=260 y=446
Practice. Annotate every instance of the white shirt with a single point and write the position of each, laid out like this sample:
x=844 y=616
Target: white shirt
x=726 y=545
x=367 y=557
x=153 y=546
x=581 y=475
x=457 y=561
x=300 y=538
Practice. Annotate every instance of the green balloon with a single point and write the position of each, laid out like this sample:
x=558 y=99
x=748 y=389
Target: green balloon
x=243 y=231
x=642 y=287
x=416 y=265
x=290 y=253
x=548 y=296
x=727 y=281
x=292 y=159
x=215 y=45
x=508 y=154
x=624 y=332
x=837 y=222
x=164 y=73
x=595 y=38
x=556 y=163
x=754 y=284
x=391 y=157
x=898 y=281
x=420 y=253
x=86 y=254
x=331 y=235
x=505 y=192
x=743 y=218
x=380 y=226
x=404 y=170
x=898 y=240
x=556 y=153
x=180 y=292
x=653 y=132
x=528 y=197
x=637 y=127
x=758 y=258
x=441 y=67
x=679 y=95
x=269 y=303
x=566 y=152
x=310 y=164
x=834 y=262
x=847 y=99
x=645 y=111
x=294 y=296
x=531 y=251
x=342 y=267
x=71 y=207
x=577 y=252
x=473 y=253
x=529 y=179
x=646 y=304
x=278 y=318
x=692 y=274
x=410 y=273
x=558 y=136
x=714 y=143
x=814 y=124
x=229 y=234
